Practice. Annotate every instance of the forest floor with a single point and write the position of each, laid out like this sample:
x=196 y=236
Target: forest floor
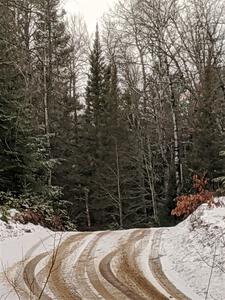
x=184 y=262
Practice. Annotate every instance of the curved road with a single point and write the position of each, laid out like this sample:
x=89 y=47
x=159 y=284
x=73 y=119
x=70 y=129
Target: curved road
x=110 y=265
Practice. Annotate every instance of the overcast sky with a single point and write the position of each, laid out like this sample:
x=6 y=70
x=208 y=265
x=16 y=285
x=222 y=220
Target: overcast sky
x=92 y=10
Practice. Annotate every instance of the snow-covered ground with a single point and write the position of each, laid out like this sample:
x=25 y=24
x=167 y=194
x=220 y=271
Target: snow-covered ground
x=193 y=252
x=17 y=243
x=15 y=229
x=11 y=229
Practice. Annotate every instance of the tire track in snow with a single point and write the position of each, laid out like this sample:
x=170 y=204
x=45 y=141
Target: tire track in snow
x=13 y=276
x=86 y=291
x=57 y=283
x=129 y=278
x=31 y=280
x=52 y=274
x=107 y=273
x=77 y=271
x=156 y=268
x=135 y=274
x=102 y=287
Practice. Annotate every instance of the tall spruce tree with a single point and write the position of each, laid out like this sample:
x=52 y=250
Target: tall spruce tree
x=93 y=124
x=109 y=164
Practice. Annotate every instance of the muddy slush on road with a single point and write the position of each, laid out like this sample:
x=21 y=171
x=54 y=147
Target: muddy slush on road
x=109 y=265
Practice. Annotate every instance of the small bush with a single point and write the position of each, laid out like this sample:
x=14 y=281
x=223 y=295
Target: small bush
x=4 y=215
x=187 y=204
x=30 y=216
x=46 y=209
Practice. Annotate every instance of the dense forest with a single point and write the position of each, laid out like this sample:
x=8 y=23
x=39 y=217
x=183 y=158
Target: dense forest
x=106 y=132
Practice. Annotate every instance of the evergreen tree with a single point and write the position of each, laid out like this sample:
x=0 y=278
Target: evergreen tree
x=19 y=162
x=207 y=138
x=109 y=161
x=95 y=102
x=53 y=51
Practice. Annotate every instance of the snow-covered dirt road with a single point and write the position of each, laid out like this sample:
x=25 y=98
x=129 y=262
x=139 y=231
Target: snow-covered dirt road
x=186 y=261
x=110 y=265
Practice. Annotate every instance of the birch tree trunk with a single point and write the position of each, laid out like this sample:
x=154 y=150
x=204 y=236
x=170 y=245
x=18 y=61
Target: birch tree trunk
x=118 y=186
x=86 y=197
x=46 y=113
x=173 y=105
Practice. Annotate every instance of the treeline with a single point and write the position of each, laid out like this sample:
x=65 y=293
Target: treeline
x=114 y=148
x=41 y=59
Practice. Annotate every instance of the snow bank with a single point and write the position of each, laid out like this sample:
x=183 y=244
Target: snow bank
x=35 y=239
x=193 y=252
x=14 y=229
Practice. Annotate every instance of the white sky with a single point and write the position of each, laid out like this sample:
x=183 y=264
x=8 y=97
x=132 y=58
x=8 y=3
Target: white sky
x=92 y=10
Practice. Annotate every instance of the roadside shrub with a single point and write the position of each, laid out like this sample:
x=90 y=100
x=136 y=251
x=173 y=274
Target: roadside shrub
x=30 y=216
x=4 y=215
x=46 y=209
x=187 y=204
